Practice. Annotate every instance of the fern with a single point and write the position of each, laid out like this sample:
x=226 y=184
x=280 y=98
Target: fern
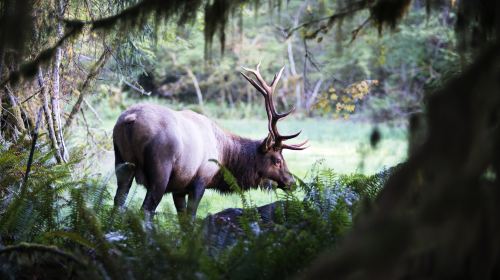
x=73 y=213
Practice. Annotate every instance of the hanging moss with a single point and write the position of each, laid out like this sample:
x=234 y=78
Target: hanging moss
x=389 y=12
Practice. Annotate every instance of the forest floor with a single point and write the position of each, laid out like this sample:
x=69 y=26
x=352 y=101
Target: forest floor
x=342 y=145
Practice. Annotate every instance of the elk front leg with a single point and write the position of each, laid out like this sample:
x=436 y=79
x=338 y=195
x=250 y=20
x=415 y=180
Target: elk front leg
x=179 y=202
x=180 y=206
x=194 y=197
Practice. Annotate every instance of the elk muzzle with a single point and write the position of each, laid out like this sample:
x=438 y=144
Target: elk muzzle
x=287 y=181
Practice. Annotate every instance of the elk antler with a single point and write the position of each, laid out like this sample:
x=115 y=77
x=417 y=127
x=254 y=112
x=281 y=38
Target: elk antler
x=273 y=116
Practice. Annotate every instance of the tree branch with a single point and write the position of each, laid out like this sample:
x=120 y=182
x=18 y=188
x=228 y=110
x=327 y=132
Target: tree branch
x=28 y=248
x=32 y=150
x=353 y=8
x=92 y=75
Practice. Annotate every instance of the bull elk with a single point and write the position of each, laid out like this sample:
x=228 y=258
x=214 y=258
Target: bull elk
x=170 y=152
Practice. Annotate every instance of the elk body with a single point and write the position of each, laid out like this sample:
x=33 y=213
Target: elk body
x=168 y=151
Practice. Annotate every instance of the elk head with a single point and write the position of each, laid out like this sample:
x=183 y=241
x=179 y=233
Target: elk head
x=271 y=164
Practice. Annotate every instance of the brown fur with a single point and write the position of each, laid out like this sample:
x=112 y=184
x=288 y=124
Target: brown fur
x=171 y=151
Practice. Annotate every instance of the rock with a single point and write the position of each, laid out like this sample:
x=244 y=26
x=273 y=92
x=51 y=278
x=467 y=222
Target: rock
x=223 y=229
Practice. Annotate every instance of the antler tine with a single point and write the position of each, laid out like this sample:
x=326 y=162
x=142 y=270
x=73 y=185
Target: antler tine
x=272 y=115
x=266 y=91
x=276 y=78
x=286 y=137
x=296 y=147
x=260 y=80
x=280 y=116
x=254 y=83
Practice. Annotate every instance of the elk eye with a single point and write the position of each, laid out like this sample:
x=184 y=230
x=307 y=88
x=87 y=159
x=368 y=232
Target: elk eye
x=277 y=161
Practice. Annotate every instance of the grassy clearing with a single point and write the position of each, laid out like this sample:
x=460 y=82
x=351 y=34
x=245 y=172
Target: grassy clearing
x=342 y=145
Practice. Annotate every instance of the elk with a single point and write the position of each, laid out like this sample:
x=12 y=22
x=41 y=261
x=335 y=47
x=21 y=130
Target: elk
x=168 y=151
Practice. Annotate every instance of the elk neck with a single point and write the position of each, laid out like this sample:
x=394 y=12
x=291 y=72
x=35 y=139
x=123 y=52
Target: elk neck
x=239 y=155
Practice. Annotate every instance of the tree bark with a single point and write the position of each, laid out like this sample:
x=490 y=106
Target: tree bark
x=196 y=85
x=48 y=117
x=291 y=59
x=304 y=74
x=293 y=70
x=1 y=90
x=56 y=113
x=312 y=98
x=1 y=132
x=15 y=111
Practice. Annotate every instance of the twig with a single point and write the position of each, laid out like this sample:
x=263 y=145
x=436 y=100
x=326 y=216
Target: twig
x=361 y=5
x=356 y=31
x=93 y=110
x=83 y=88
x=140 y=90
x=89 y=134
x=33 y=95
x=290 y=32
x=313 y=61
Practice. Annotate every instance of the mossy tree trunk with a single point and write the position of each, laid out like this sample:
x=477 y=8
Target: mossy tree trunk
x=56 y=112
x=48 y=116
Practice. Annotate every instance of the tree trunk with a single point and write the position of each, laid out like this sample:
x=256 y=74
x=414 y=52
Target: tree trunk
x=1 y=90
x=192 y=77
x=312 y=98
x=304 y=74
x=15 y=112
x=48 y=116
x=196 y=85
x=56 y=113
x=1 y=95
x=293 y=70
x=291 y=59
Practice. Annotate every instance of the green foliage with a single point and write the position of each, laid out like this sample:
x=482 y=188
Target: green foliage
x=67 y=220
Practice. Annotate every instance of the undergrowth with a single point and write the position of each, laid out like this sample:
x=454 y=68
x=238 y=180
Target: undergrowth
x=61 y=225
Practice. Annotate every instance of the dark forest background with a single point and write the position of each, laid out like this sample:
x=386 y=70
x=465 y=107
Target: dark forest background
x=411 y=86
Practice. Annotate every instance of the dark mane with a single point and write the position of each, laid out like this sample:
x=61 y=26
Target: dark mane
x=239 y=157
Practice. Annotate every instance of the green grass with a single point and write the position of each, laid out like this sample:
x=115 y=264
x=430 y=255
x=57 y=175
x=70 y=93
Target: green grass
x=342 y=145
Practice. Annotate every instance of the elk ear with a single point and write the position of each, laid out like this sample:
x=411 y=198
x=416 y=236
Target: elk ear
x=267 y=144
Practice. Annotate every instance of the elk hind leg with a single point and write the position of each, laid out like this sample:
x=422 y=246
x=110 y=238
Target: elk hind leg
x=124 y=175
x=157 y=178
